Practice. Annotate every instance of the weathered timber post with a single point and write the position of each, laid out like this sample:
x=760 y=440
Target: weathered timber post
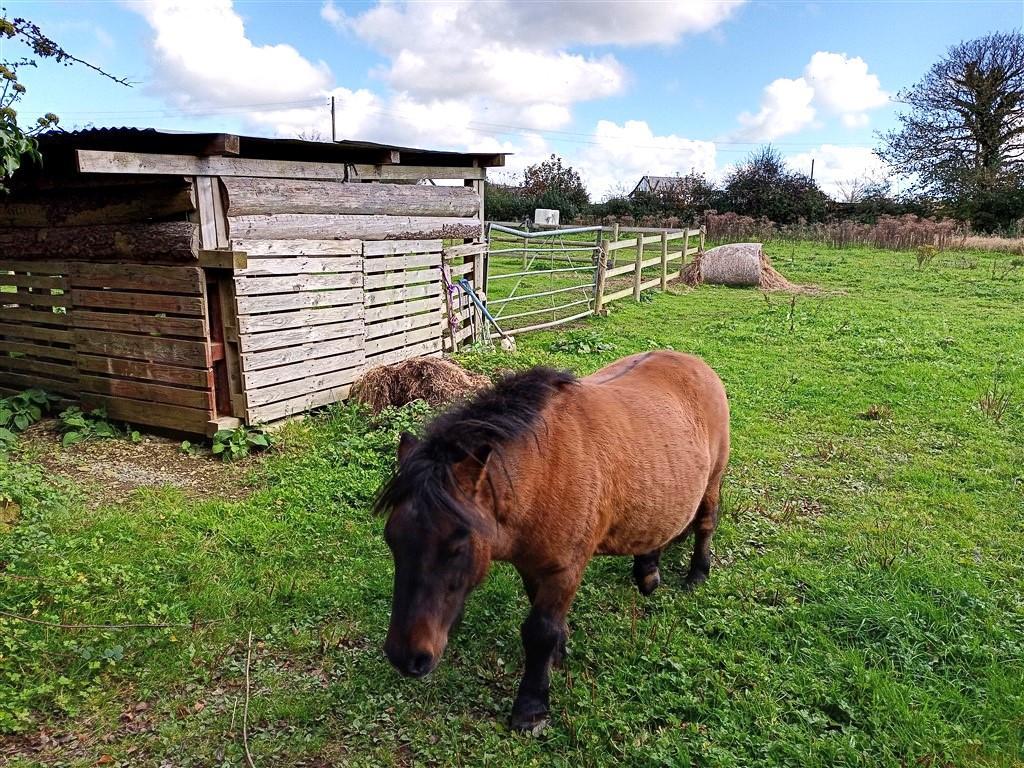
x=639 y=268
x=602 y=266
x=615 y=237
x=664 y=261
x=686 y=250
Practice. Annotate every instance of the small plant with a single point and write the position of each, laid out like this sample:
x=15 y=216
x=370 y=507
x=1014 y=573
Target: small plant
x=77 y=426
x=189 y=448
x=997 y=399
x=581 y=342
x=925 y=254
x=1001 y=270
x=19 y=412
x=237 y=443
x=875 y=413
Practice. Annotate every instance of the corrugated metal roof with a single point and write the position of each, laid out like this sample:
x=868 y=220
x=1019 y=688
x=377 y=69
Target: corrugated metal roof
x=174 y=142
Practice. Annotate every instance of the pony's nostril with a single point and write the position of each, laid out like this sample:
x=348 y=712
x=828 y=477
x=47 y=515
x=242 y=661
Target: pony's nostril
x=419 y=664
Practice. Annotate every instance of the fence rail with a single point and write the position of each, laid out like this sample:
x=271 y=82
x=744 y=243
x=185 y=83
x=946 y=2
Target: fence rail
x=543 y=263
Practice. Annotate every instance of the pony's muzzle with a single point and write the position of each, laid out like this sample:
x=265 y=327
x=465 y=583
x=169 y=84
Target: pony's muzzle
x=410 y=662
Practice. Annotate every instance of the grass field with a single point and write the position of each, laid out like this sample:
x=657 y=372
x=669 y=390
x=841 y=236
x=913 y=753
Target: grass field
x=866 y=606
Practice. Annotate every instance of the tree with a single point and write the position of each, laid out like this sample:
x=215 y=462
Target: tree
x=554 y=185
x=16 y=142
x=764 y=186
x=962 y=138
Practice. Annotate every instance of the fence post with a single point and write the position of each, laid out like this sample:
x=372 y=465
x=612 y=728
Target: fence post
x=638 y=269
x=703 y=232
x=686 y=248
x=664 y=261
x=602 y=266
x=615 y=238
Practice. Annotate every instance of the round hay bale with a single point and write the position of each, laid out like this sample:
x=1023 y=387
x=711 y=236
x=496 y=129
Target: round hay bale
x=737 y=264
x=433 y=379
x=733 y=264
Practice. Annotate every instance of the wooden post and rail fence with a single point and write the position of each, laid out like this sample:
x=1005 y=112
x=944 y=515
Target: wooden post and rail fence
x=608 y=280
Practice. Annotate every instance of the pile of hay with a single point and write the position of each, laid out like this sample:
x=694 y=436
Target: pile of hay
x=741 y=264
x=432 y=379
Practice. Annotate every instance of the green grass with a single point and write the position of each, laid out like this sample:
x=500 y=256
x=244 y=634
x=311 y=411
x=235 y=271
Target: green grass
x=866 y=606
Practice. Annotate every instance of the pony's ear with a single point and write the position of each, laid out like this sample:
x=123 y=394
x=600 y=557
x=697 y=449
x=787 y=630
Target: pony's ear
x=406 y=443
x=470 y=467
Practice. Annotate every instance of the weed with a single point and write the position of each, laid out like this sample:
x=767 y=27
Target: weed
x=925 y=254
x=19 y=412
x=875 y=412
x=237 y=443
x=581 y=342
x=997 y=399
x=76 y=426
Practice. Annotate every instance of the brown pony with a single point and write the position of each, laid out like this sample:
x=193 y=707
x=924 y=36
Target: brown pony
x=543 y=471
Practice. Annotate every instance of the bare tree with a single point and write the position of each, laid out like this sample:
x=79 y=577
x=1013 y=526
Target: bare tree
x=962 y=138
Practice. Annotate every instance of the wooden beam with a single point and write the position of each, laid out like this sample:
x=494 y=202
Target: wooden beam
x=220 y=259
x=98 y=161
x=223 y=144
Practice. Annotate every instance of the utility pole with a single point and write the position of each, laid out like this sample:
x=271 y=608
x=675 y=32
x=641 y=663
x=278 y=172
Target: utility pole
x=334 y=136
x=812 y=159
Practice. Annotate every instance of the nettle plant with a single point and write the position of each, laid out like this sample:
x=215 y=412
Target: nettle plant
x=21 y=411
x=76 y=426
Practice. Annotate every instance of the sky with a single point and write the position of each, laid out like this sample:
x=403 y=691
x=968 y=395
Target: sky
x=618 y=88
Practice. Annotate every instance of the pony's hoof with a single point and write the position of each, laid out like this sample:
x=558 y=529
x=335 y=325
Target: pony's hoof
x=529 y=722
x=648 y=583
x=694 y=580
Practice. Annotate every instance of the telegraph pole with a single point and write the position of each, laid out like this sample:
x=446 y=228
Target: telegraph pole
x=334 y=136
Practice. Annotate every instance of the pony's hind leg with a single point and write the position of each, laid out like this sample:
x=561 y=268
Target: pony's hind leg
x=645 y=572
x=703 y=529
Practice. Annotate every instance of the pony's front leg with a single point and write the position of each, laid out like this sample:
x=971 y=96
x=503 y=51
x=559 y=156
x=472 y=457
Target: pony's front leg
x=544 y=635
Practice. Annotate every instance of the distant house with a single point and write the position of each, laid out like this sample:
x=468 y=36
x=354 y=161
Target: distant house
x=654 y=184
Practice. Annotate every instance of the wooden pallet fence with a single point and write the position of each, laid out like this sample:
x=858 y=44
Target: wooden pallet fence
x=403 y=299
x=300 y=323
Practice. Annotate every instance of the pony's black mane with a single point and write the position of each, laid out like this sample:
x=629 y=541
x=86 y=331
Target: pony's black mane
x=492 y=418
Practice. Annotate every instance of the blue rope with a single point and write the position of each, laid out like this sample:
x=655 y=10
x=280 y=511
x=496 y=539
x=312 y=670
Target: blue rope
x=465 y=285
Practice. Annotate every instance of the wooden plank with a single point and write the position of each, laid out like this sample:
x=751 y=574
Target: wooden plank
x=223 y=259
x=213 y=426
x=193 y=327
x=98 y=161
x=460 y=270
x=257 y=342
x=650 y=283
x=249 y=305
x=176 y=241
x=277 y=321
x=462 y=251
x=262 y=377
x=316 y=226
x=38 y=367
x=58 y=335
x=139 y=277
x=280 y=410
x=398 y=247
x=36 y=350
x=257 y=286
x=408 y=323
x=44 y=282
x=159 y=372
x=253 y=361
x=619 y=245
x=254 y=248
x=35 y=267
x=207 y=215
x=411 y=261
x=402 y=339
x=618 y=295
x=389 y=295
x=404 y=277
x=623 y=270
x=21 y=381
x=157 y=349
x=251 y=196
x=110 y=205
x=143 y=412
x=292 y=389
x=402 y=309
x=24 y=299
x=141 y=302
x=35 y=316
x=154 y=393
x=429 y=347
x=298 y=265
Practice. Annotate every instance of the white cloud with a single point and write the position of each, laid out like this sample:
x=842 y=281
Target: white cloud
x=203 y=57
x=834 y=165
x=843 y=86
x=786 y=107
x=621 y=154
x=831 y=82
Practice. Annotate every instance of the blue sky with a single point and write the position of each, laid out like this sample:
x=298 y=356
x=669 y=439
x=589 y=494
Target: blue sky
x=617 y=88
